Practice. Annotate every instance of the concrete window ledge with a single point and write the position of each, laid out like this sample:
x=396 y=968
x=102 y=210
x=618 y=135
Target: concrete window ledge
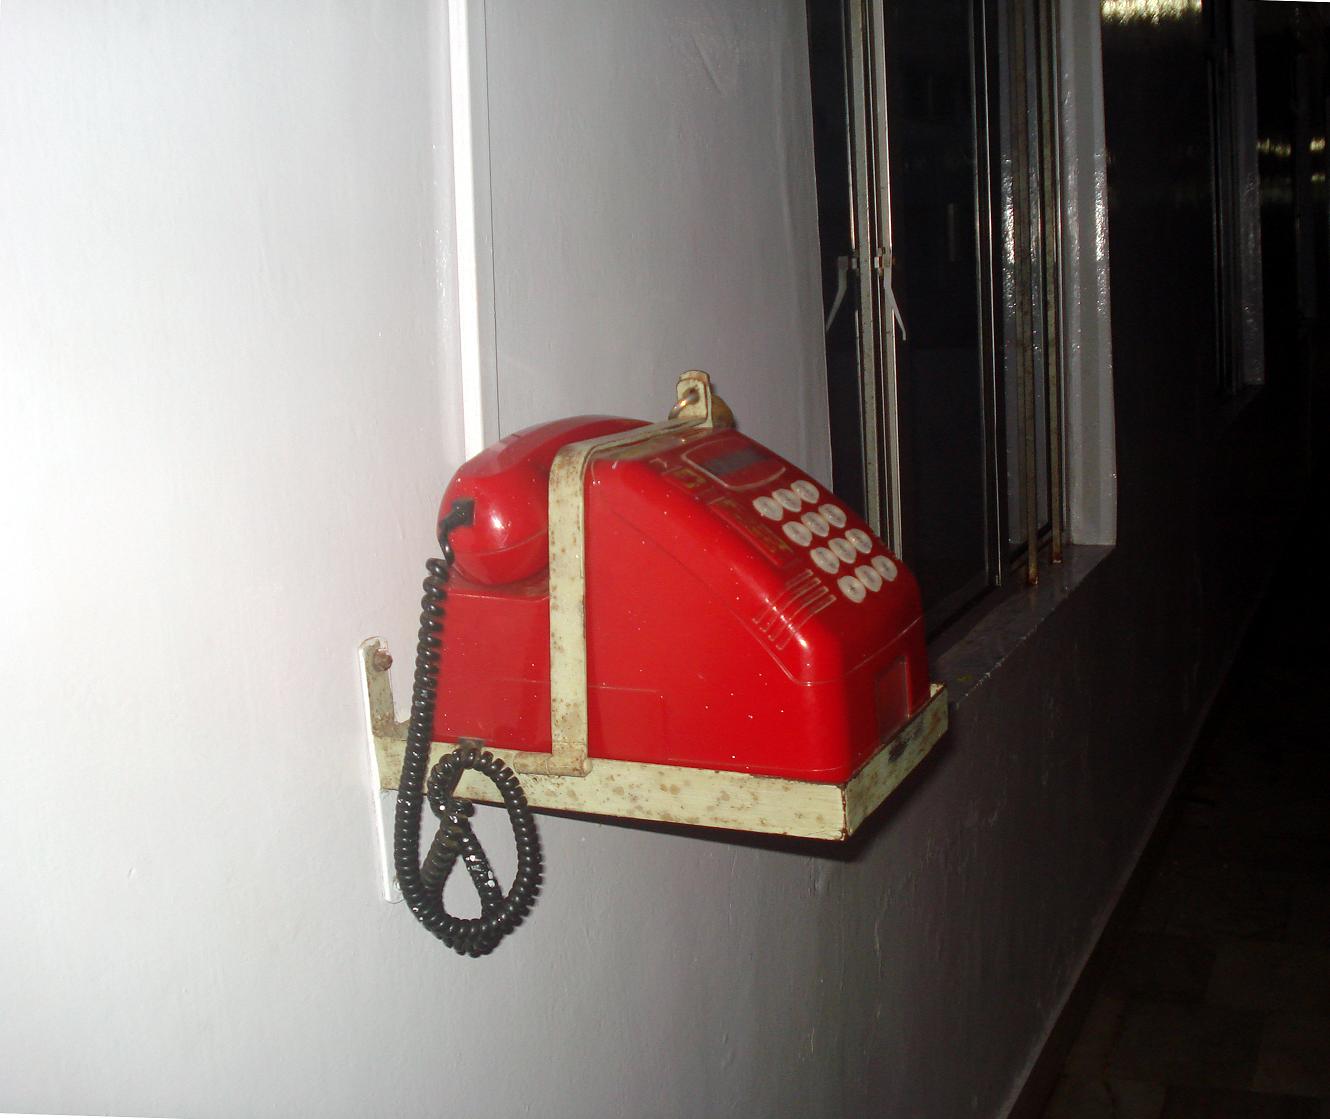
x=966 y=661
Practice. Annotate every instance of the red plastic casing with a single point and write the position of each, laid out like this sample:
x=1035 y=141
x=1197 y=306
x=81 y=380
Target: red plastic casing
x=715 y=640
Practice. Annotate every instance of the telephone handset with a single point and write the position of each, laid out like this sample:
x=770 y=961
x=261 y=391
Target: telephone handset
x=508 y=539
x=728 y=616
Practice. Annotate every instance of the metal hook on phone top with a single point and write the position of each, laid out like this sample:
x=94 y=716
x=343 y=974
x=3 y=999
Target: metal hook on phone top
x=692 y=396
x=698 y=402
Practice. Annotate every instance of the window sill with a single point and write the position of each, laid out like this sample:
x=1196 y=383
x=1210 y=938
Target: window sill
x=969 y=652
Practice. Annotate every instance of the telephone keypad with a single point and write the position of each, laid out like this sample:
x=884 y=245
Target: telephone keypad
x=834 y=513
x=851 y=588
x=817 y=522
x=844 y=550
x=885 y=567
x=869 y=577
x=798 y=533
x=860 y=539
x=825 y=560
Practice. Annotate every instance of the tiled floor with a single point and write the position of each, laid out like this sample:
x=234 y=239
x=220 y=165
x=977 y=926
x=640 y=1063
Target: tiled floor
x=1217 y=1003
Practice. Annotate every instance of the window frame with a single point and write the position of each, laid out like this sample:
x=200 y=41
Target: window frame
x=1063 y=214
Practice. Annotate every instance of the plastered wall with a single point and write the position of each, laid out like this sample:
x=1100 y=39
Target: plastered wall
x=654 y=211
x=230 y=402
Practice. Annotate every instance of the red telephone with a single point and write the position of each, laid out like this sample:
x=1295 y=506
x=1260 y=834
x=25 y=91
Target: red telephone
x=662 y=622
x=738 y=616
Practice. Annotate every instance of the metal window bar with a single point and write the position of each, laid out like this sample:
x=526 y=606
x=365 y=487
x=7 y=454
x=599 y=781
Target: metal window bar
x=865 y=224
x=1036 y=217
x=1050 y=172
x=872 y=263
x=984 y=82
x=883 y=264
x=1025 y=200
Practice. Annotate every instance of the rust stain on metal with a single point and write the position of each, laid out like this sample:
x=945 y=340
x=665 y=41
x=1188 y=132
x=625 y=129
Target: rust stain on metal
x=569 y=752
x=709 y=798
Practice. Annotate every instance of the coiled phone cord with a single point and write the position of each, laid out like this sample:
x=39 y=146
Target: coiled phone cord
x=422 y=885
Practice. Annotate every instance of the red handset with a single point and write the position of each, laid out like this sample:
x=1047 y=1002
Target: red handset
x=508 y=540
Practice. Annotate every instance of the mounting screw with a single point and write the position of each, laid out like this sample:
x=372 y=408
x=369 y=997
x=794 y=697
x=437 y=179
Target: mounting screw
x=382 y=660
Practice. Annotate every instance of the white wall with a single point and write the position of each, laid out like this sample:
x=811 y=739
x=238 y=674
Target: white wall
x=654 y=210
x=223 y=433
x=227 y=418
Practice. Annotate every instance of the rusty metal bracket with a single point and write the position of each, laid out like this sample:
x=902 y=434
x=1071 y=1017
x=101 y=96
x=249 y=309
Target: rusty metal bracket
x=669 y=793
x=696 y=407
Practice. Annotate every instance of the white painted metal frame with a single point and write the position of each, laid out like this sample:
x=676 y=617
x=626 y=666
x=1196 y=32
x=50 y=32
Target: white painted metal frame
x=472 y=223
x=1092 y=496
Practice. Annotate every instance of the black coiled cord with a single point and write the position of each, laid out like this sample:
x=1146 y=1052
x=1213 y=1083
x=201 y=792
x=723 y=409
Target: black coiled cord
x=422 y=885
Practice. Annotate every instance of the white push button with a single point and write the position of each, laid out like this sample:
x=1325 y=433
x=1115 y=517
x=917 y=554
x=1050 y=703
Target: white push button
x=860 y=539
x=817 y=522
x=825 y=560
x=844 y=550
x=789 y=499
x=885 y=567
x=834 y=513
x=798 y=533
x=851 y=588
x=868 y=577
x=769 y=507
x=806 y=490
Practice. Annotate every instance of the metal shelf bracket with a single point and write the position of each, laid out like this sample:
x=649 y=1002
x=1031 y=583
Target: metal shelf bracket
x=666 y=793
